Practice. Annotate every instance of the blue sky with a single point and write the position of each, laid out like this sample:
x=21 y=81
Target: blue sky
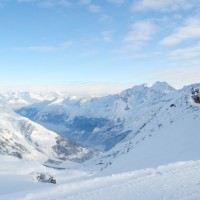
x=119 y=42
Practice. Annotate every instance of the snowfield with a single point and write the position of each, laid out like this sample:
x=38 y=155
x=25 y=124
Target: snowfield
x=179 y=180
x=143 y=144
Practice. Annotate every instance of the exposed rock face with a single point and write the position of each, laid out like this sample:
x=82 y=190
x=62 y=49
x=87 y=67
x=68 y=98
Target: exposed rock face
x=196 y=95
x=44 y=178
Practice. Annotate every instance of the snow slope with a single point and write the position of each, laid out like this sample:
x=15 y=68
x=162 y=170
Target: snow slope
x=171 y=135
x=100 y=122
x=23 y=138
x=170 y=182
x=17 y=176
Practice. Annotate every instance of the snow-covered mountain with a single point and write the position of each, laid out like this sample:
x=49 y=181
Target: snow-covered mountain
x=171 y=135
x=150 y=135
x=118 y=123
x=18 y=99
x=146 y=125
x=23 y=138
x=101 y=122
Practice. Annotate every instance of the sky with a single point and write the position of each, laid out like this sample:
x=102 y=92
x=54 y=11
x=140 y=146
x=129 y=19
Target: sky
x=107 y=44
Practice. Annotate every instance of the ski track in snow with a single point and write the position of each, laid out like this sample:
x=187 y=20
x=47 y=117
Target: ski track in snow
x=169 y=182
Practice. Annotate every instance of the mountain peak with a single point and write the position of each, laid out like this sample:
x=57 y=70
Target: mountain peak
x=162 y=86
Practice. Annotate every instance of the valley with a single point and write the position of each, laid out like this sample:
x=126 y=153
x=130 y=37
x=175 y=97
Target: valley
x=113 y=140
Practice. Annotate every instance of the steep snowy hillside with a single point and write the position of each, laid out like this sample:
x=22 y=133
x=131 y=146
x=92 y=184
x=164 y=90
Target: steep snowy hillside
x=171 y=135
x=23 y=138
x=101 y=122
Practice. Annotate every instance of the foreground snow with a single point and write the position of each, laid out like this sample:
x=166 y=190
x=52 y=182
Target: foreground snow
x=174 y=181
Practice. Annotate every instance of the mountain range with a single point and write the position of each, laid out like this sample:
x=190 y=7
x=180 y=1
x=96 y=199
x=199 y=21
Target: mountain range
x=146 y=125
x=142 y=143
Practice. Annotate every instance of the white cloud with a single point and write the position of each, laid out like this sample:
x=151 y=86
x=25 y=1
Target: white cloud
x=80 y=89
x=186 y=53
x=189 y=30
x=106 y=18
x=107 y=35
x=141 y=32
x=44 y=48
x=94 y=8
x=84 y=2
x=51 y=3
x=47 y=3
x=36 y=48
x=163 y=5
x=27 y=1
x=117 y=2
x=66 y=44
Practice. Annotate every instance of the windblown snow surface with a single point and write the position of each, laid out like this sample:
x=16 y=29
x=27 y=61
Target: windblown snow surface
x=173 y=181
x=159 y=159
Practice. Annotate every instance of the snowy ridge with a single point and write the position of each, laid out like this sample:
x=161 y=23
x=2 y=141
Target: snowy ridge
x=141 y=127
x=171 y=135
x=19 y=99
x=100 y=122
x=23 y=138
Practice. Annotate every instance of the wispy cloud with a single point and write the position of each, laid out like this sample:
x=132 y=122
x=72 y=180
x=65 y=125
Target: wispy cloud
x=107 y=36
x=106 y=18
x=85 y=2
x=117 y=2
x=95 y=8
x=186 y=53
x=140 y=33
x=189 y=30
x=80 y=89
x=163 y=5
x=47 y=3
x=92 y=7
x=44 y=48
